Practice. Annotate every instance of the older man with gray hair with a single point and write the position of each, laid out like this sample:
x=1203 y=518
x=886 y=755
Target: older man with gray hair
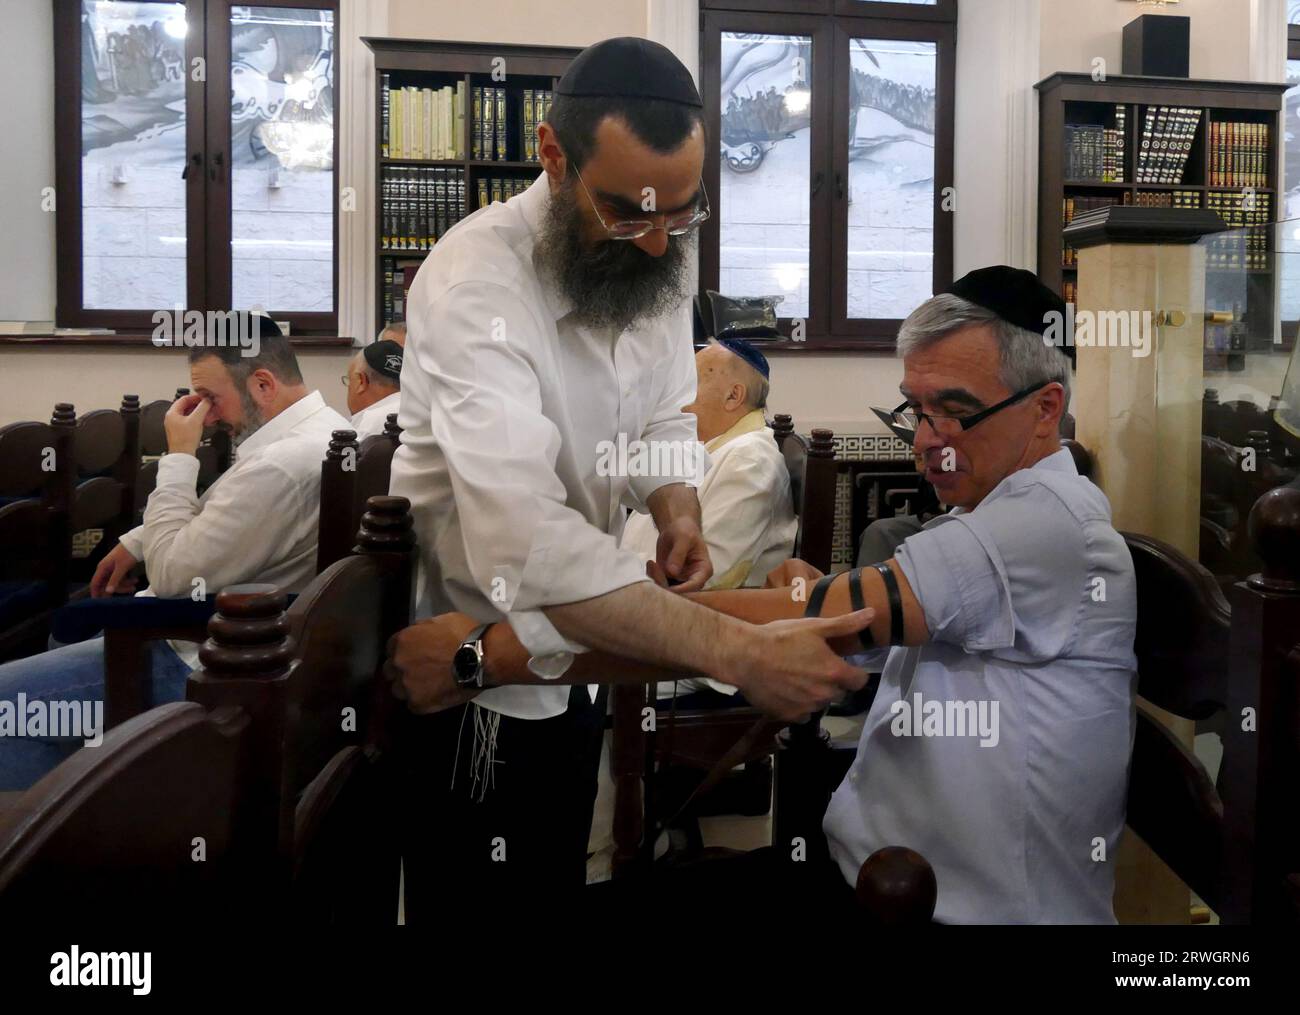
x=374 y=381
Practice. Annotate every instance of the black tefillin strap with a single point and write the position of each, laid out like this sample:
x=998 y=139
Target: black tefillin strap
x=859 y=602
x=895 y=603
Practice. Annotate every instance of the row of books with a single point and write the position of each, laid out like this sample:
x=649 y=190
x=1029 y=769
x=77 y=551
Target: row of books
x=1070 y=291
x=1165 y=199
x=1095 y=153
x=1239 y=154
x=500 y=188
x=422 y=123
x=1077 y=205
x=1249 y=248
x=398 y=276
x=498 y=110
x=1166 y=143
x=418 y=204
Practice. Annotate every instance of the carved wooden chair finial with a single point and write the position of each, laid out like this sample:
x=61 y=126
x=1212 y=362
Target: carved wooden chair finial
x=248 y=636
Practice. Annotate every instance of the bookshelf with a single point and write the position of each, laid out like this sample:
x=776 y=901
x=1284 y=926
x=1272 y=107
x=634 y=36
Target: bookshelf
x=1211 y=145
x=434 y=157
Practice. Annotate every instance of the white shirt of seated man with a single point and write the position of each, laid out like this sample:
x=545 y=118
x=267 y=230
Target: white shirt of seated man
x=748 y=517
x=258 y=521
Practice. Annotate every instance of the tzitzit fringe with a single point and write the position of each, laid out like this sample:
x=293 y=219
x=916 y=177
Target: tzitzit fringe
x=487 y=725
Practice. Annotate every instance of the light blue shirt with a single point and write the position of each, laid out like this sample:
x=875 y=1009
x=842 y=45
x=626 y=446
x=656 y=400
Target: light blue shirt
x=999 y=749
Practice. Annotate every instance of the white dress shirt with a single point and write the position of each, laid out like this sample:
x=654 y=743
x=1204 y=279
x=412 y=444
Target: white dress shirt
x=1031 y=604
x=370 y=420
x=257 y=523
x=506 y=401
x=747 y=516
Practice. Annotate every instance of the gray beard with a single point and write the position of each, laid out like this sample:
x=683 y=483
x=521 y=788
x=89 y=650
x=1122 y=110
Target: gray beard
x=613 y=284
x=253 y=420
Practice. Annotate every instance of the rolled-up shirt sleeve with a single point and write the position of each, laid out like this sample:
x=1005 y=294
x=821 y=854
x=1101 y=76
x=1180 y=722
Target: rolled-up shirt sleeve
x=670 y=427
x=1009 y=575
x=524 y=546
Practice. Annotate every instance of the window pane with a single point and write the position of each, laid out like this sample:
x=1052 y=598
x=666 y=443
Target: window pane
x=1291 y=135
x=1293 y=12
x=132 y=155
x=766 y=176
x=891 y=176
x=1288 y=265
x=282 y=159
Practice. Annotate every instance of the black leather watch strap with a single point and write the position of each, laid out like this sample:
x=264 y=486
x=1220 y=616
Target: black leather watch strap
x=476 y=680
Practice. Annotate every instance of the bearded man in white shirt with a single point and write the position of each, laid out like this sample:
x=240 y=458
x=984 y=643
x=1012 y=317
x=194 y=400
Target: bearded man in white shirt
x=256 y=523
x=548 y=336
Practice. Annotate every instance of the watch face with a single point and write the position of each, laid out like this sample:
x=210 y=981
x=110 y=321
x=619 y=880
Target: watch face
x=465 y=663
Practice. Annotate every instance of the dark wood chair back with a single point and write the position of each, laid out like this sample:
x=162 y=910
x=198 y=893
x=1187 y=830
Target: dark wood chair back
x=351 y=474
x=36 y=483
x=1183 y=624
x=106 y=448
x=811 y=464
x=312 y=678
x=144 y=823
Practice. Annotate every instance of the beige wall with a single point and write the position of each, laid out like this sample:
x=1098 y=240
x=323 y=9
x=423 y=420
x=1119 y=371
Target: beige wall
x=1076 y=31
x=532 y=22
x=36 y=377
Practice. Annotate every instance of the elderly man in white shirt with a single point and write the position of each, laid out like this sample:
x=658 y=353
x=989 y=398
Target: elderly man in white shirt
x=256 y=523
x=374 y=381
x=548 y=361
x=748 y=517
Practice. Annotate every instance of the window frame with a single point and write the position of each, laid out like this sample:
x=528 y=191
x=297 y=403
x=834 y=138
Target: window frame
x=208 y=211
x=831 y=24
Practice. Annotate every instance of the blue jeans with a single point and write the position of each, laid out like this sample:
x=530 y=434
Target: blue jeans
x=72 y=673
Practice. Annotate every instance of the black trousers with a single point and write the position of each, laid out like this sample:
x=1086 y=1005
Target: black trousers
x=525 y=834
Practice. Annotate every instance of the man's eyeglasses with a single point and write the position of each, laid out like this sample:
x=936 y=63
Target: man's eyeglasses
x=347 y=381
x=677 y=224
x=908 y=419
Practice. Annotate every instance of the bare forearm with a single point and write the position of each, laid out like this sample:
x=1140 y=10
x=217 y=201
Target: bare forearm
x=671 y=501
x=647 y=623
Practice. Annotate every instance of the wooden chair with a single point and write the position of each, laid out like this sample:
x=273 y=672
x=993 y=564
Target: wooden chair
x=36 y=483
x=701 y=739
x=351 y=473
x=275 y=767
x=106 y=452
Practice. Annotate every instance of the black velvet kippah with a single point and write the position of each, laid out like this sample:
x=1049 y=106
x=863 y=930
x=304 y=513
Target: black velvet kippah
x=1015 y=295
x=385 y=358
x=632 y=68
